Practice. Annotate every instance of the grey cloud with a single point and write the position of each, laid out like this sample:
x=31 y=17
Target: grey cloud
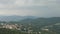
x=6 y=1
x=42 y=8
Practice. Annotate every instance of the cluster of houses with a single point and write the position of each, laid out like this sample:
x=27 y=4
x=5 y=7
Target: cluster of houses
x=19 y=27
x=11 y=26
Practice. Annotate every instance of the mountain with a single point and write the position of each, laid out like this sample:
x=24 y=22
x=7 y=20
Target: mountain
x=42 y=21
x=15 y=18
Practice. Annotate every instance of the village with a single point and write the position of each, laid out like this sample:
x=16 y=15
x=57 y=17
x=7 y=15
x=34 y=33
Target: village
x=20 y=27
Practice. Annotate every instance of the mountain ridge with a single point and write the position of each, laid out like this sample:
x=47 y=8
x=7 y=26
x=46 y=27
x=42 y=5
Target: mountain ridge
x=15 y=18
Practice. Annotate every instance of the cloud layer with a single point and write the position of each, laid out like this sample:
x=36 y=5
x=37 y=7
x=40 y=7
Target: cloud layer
x=42 y=8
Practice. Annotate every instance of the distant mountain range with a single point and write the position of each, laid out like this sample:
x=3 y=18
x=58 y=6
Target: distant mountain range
x=15 y=18
x=42 y=21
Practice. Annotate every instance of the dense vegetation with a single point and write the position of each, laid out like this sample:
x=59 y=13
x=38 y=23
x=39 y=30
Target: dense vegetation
x=8 y=31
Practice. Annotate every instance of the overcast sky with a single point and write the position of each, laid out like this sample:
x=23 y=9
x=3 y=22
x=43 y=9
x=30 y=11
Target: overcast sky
x=42 y=8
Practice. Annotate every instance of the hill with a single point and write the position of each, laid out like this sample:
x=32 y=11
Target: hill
x=42 y=21
x=15 y=18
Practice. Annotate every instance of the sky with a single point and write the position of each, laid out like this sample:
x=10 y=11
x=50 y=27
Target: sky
x=41 y=8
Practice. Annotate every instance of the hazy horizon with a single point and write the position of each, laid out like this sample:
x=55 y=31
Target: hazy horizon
x=40 y=8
